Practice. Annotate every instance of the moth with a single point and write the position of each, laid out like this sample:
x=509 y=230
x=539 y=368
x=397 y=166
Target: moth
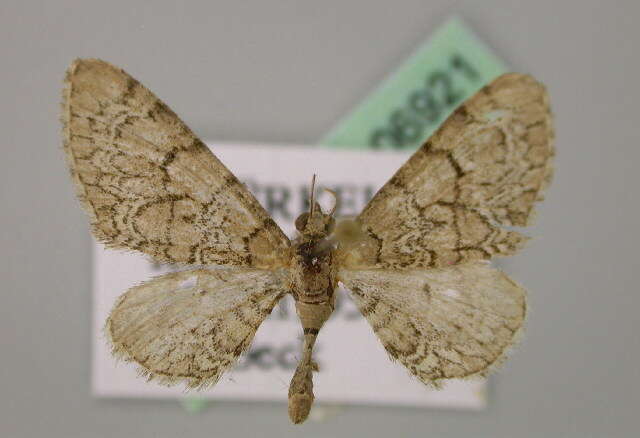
x=416 y=260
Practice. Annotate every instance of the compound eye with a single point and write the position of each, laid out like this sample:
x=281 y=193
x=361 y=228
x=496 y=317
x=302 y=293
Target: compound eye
x=301 y=222
x=331 y=225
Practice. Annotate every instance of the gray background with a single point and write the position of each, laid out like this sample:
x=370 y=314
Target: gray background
x=284 y=72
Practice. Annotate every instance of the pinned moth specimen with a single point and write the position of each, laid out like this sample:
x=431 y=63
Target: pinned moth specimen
x=416 y=260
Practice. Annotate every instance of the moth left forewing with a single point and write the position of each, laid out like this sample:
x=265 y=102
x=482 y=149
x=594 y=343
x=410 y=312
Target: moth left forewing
x=442 y=323
x=192 y=326
x=482 y=170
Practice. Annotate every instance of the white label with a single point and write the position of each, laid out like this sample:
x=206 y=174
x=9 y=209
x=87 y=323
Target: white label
x=354 y=367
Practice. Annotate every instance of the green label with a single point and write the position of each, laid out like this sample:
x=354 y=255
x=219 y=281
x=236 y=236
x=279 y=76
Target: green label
x=408 y=107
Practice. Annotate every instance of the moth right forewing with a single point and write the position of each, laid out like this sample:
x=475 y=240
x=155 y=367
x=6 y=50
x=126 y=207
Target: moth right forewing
x=192 y=326
x=515 y=148
x=150 y=185
x=485 y=167
x=441 y=323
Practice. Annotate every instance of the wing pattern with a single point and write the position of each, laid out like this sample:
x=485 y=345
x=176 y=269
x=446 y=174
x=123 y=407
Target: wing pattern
x=484 y=168
x=149 y=184
x=441 y=323
x=192 y=325
x=414 y=259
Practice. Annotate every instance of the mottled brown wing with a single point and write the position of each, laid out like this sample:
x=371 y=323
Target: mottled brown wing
x=191 y=326
x=149 y=184
x=483 y=169
x=441 y=323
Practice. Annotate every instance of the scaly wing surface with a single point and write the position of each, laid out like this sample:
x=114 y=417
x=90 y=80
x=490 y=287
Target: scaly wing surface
x=441 y=323
x=150 y=185
x=482 y=170
x=191 y=326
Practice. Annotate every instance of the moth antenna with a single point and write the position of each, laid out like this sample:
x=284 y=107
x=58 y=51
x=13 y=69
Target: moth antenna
x=312 y=196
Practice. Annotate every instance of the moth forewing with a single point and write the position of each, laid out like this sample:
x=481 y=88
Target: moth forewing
x=150 y=185
x=484 y=167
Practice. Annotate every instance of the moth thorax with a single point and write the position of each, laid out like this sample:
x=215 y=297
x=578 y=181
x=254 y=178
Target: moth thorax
x=355 y=246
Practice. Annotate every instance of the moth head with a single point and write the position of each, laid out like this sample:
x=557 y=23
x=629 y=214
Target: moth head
x=316 y=224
